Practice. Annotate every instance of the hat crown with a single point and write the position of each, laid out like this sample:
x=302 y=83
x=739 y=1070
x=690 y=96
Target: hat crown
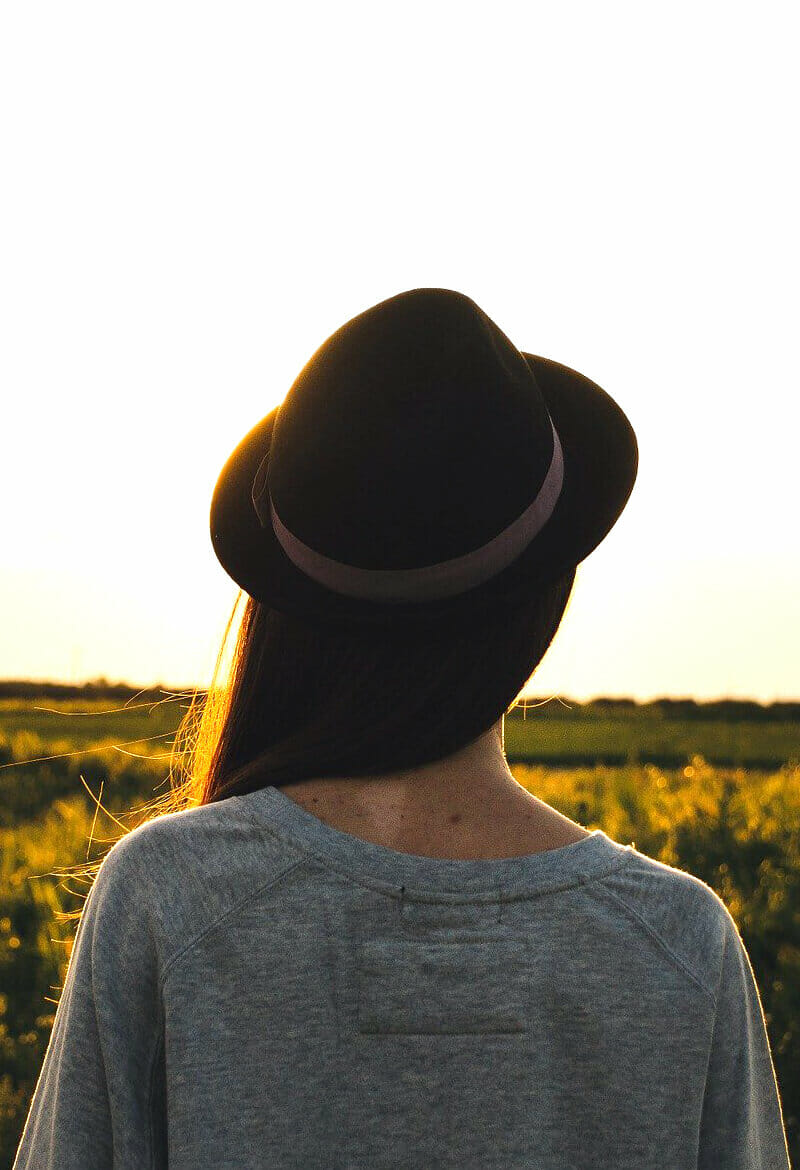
x=413 y=435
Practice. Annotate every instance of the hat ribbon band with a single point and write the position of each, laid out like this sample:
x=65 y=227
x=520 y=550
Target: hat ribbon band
x=445 y=579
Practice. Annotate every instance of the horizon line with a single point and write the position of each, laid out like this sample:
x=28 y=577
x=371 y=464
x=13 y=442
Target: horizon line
x=101 y=681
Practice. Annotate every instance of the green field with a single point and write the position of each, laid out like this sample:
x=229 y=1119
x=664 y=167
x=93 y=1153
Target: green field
x=644 y=774
x=580 y=736
x=551 y=733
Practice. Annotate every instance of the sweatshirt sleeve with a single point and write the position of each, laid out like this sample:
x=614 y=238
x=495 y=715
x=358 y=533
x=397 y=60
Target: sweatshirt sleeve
x=741 y=1126
x=96 y=1105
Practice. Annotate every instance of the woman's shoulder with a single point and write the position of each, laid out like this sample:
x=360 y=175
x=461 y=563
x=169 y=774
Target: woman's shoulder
x=679 y=910
x=182 y=871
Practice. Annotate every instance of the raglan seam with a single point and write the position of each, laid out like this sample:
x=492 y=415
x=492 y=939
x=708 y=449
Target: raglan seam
x=226 y=914
x=144 y=883
x=151 y=1090
x=656 y=936
x=156 y=1049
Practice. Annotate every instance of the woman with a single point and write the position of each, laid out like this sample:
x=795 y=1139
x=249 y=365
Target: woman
x=362 y=943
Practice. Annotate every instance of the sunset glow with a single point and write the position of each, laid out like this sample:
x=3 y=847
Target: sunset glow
x=195 y=197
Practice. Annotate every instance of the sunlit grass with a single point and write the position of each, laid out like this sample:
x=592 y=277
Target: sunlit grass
x=735 y=828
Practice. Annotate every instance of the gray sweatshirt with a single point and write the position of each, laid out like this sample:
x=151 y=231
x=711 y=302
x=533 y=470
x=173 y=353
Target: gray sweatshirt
x=250 y=987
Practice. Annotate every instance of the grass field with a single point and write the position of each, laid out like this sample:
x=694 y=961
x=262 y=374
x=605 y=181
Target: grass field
x=586 y=738
x=644 y=775
x=552 y=733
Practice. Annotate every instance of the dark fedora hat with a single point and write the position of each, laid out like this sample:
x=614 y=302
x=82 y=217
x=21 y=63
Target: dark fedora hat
x=421 y=471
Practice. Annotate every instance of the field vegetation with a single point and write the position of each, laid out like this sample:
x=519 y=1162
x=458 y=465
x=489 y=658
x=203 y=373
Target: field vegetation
x=713 y=789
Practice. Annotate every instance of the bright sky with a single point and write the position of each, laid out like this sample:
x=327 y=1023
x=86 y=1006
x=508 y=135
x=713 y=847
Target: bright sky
x=196 y=195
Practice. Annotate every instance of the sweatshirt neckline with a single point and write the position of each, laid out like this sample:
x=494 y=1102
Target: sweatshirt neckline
x=582 y=860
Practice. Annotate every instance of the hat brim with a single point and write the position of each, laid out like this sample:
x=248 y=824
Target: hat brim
x=600 y=455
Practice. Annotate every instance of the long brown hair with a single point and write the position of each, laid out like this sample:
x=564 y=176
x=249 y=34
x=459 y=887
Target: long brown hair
x=301 y=701
x=304 y=701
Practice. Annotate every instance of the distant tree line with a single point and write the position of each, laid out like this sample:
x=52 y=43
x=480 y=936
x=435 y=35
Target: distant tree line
x=13 y=688
x=725 y=710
